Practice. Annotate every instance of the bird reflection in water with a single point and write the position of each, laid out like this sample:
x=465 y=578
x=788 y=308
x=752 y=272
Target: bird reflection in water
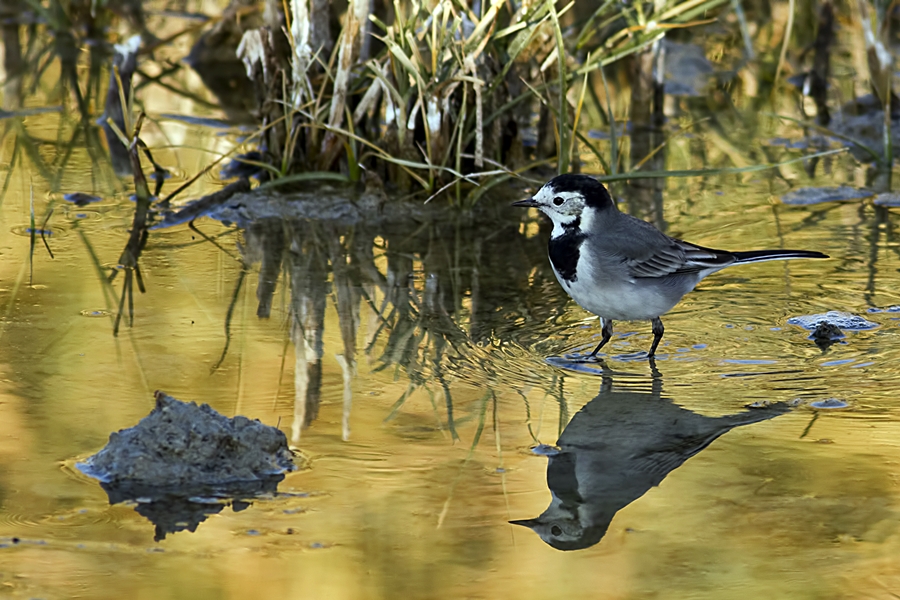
x=618 y=446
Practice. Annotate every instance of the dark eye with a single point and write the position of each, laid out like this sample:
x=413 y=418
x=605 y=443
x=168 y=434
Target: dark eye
x=558 y=201
x=555 y=530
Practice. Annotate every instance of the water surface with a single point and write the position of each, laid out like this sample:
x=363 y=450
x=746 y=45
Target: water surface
x=414 y=471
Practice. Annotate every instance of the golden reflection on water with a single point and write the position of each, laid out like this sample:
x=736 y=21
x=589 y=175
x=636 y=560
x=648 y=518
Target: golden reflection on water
x=804 y=505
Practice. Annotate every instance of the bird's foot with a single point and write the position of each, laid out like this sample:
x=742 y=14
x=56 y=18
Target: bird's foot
x=585 y=358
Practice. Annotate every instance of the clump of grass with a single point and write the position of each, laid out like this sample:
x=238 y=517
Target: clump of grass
x=414 y=112
x=444 y=100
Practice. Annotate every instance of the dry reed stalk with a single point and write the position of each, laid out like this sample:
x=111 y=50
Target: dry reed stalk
x=302 y=53
x=357 y=16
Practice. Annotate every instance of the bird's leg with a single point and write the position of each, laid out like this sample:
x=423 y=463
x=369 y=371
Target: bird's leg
x=658 y=331
x=606 y=333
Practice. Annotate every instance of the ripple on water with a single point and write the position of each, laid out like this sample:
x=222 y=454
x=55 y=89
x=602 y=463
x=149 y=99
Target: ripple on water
x=63 y=524
x=25 y=231
x=81 y=517
x=749 y=361
x=9 y=517
x=86 y=215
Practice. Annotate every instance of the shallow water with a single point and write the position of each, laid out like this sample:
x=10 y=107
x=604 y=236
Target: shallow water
x=409 y=486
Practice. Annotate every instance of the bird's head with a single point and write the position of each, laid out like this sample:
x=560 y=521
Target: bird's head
x=566 y=199
x=564 y=532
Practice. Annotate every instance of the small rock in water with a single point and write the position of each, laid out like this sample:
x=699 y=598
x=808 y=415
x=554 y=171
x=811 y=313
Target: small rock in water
x=841 y=320
x=831 y=403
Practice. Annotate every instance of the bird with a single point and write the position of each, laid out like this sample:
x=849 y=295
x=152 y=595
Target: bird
x=620 y=445
x=622 y=268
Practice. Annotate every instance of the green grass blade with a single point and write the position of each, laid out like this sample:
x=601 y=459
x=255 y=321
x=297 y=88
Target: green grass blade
x=562 y=122
x=307 y=176
x=614 y=142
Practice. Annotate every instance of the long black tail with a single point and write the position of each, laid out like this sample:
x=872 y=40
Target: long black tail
x=761 y=255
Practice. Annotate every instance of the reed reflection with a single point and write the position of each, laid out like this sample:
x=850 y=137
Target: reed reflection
x=422 y=292
x=617 y=447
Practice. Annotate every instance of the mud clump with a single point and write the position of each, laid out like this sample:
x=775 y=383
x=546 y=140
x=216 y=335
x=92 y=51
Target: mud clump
x=183 y=444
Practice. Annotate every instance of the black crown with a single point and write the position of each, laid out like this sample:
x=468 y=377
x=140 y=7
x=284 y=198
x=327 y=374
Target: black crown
x=594 y=192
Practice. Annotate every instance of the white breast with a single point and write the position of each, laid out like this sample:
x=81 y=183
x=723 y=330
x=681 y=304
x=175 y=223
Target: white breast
x=618 y=298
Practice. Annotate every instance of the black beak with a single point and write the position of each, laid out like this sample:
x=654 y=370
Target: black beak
x=530 y=523
x=528 y=202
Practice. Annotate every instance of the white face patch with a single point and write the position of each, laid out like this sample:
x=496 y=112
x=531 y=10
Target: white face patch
x=562 y=207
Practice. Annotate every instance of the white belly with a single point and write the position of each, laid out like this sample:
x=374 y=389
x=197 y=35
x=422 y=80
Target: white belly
x=620 y=298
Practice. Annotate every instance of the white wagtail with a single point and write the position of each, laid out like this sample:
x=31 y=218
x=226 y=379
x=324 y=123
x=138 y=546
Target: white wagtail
x=622 y=268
